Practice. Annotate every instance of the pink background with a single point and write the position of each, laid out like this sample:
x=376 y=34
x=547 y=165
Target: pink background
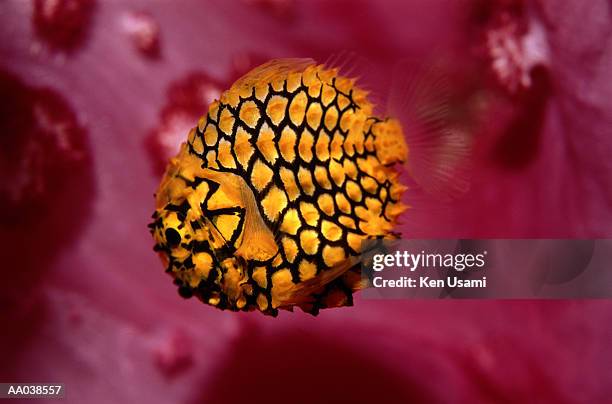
x=85 y=300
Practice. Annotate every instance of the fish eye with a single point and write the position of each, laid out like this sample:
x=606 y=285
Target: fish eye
x=173 y=237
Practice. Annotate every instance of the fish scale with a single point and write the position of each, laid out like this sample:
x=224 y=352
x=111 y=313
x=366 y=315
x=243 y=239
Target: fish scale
x=276 y=188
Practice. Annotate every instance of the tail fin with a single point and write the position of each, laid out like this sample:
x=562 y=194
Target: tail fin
x=421 y=99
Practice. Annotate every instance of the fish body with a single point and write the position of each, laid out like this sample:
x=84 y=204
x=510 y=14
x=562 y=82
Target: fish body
x=267 y=203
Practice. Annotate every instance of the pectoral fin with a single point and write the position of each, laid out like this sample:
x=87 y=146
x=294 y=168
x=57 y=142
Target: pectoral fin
x=257 y=241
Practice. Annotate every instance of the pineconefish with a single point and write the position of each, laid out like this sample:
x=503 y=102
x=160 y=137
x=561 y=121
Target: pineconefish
x=267 y=203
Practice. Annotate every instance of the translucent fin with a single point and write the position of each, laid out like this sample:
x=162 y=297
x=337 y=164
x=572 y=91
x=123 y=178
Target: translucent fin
x=350 y=65
x=346 y=62
x=439 y=149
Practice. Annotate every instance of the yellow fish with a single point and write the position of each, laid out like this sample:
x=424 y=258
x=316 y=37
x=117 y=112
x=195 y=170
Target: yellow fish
x=267 y=203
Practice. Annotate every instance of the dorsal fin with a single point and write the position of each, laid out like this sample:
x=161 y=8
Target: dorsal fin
x=271 y=70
